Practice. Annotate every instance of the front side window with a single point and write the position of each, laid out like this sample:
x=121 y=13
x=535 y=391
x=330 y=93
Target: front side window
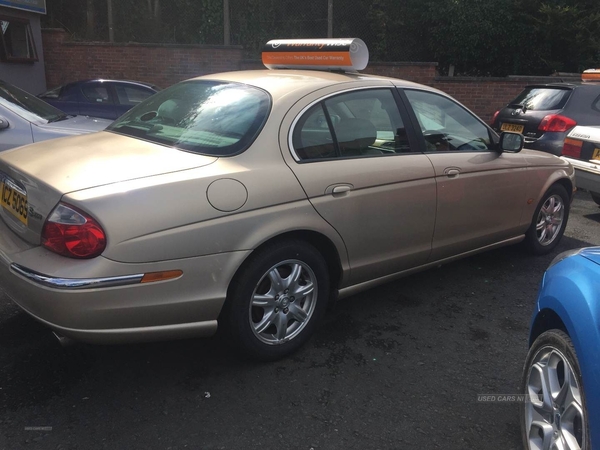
x=356 y=124
x=446 y=126
x=207 y=117
x=16 y=40
x=96 y=93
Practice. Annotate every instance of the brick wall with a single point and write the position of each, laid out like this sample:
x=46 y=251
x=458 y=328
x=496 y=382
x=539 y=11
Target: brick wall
x=166 y=64
x=160 y=64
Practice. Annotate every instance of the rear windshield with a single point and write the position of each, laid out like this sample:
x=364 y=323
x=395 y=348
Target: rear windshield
x=206 y=117
x=542 y=98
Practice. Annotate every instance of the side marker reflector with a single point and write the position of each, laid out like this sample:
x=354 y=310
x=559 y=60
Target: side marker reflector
x=161 y=276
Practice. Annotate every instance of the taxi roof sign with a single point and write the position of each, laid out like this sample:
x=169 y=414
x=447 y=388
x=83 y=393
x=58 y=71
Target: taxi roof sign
x=346 y=54
x=591 y=75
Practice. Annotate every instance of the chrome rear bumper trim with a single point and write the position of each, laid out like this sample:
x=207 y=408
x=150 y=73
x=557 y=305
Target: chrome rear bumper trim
x=75 y=283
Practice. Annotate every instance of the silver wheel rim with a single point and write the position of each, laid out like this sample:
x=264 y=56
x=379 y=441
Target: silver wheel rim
x=554 y=414
x=550 y=219
x=283 y=302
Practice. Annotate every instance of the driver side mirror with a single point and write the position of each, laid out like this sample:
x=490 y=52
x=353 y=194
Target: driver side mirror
x=511 y=142
x=3 y=123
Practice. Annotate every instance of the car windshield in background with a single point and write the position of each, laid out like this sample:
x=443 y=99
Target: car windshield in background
x=28 y=106
x=206 y=117
x=542 y=98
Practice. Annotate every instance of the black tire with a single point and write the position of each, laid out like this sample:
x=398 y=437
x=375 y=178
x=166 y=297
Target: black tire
x=560 y=342
x=596 y=198
x=531 y=236
x=242 y=319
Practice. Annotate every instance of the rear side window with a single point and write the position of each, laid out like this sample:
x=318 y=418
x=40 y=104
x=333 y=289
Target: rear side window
x=132 y=95
x=542 y=98
x=207 y=117
x=350 y=125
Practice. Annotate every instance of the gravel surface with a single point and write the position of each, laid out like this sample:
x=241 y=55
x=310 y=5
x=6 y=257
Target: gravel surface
x=399 y=366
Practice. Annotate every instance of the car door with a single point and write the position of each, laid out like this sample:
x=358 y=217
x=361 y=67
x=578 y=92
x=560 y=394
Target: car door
x=96 y=100
x=353 y=154
x=481 y=192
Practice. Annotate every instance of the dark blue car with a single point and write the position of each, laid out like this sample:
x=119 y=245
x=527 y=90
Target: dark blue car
x=108 y=99
x=561 y=376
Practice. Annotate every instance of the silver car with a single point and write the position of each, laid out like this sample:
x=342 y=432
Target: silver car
x=250 y=200
x=25 y=119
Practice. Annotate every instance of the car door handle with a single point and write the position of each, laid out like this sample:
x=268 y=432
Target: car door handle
x=338 y=189
x=452 y=172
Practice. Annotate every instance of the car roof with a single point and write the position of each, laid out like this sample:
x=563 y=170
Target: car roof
x=279 y=82
x=104 y=80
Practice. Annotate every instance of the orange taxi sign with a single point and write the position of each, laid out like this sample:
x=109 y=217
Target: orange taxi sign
x=347 y=54
x=591 y=75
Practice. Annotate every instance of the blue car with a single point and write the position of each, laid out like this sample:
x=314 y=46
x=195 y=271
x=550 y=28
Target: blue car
x=107 y=99
x=561 y=375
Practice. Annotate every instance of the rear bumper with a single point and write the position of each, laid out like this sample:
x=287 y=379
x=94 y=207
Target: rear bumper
x=104 y=301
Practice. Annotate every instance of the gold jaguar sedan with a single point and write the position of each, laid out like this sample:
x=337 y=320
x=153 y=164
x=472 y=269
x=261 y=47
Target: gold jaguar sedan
x=250 y=200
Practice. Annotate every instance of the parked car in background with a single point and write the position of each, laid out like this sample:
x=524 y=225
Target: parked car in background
x=561 y=375
x=251 y=199
x=582 y=150
x=545 y=113
x=25 y=119
x=107 y=99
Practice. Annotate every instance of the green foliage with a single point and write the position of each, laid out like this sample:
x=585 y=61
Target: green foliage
x=477 y=37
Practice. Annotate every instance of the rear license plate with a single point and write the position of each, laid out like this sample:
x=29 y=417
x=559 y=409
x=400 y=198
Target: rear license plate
x=596 y=154
x=512 y=127
x=14 y=200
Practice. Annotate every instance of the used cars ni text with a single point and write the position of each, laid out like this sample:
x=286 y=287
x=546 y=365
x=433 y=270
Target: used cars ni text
x=249 y=200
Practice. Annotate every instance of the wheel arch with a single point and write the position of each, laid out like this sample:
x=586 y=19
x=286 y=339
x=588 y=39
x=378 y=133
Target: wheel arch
x=322 y=244
x=546 y=319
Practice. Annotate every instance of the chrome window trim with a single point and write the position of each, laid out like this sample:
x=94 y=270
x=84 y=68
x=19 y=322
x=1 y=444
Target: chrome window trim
x=321 y=99
x=75 y=283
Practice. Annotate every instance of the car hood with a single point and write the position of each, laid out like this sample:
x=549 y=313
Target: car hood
x=591 y=253
x=76 y=125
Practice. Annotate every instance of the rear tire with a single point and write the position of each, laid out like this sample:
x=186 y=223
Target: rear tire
x=596 y=198
x=277 y=300
x=549 y=221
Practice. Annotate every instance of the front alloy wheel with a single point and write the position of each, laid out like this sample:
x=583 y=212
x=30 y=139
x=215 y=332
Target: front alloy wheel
x=554 y=415
x=549 y=221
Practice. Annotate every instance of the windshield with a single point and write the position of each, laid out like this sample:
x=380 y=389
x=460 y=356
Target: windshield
x=206 y=117
x=542 y=99
x=28 y=106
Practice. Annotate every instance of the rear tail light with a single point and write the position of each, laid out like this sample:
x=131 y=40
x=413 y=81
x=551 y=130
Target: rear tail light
x=556 y=122
x=72 y=233
x=494 y=117
x=572 y=148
